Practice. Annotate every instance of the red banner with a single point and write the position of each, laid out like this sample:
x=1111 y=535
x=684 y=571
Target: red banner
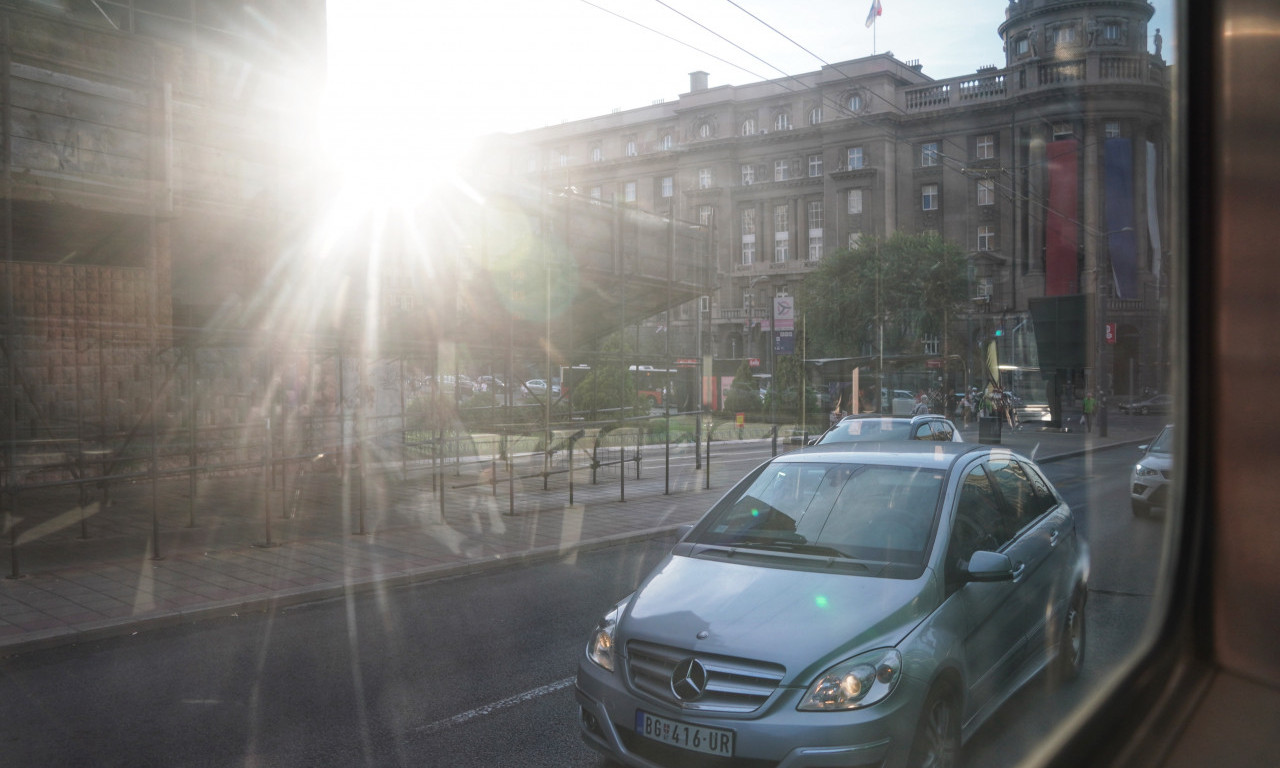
x=1061 y=273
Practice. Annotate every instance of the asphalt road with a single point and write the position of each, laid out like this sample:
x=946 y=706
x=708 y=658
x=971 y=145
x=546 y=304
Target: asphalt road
x=473 y=671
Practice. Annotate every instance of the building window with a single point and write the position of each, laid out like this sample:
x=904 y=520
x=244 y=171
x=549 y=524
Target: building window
x=855 y=158
x=931 y=345
x=855 y=102
x=855 y=202
x=748 y=175
x=1111 y=130
x=596 y=193
x=668 y=186
x=1022 y=46
x=929 y=154
x=1111 y=32
x=781 y=232
x=631 y=148
x=780 y=170
x=815 y=166
x=986 y=237
x=749 y=127
x=705 y=131
x=815 y=229
x=929 y=197
x=815 y=115
x=1062 y=131
x=629 y=192
x=704 y=178
x=855 y=239
x=597 y=154
x=1064 y=35
x=985 y=148
x=986 y=192
x=748 y=235
x=706 y=213
x=665 y=142
x=562 y=159
x=782 y=121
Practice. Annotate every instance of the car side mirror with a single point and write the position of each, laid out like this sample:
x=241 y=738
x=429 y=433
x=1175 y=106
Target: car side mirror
x=990 y=566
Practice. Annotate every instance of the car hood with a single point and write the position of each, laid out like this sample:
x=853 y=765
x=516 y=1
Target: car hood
x=802 y=619
x=1162 y=462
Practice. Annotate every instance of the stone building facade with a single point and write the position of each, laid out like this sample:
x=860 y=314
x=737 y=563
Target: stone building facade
x=150 y=176
x=1052 y=172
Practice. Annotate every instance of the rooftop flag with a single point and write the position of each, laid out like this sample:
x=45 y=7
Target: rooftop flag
x=875 y=11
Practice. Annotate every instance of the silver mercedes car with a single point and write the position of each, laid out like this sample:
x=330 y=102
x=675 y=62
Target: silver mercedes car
x=851 y=604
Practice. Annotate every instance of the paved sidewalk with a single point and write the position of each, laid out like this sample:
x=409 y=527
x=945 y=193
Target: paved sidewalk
x=226 y=551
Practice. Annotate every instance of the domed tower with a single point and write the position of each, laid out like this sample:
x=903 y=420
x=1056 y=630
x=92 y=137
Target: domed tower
x=1090 y=121
x=1069 y=30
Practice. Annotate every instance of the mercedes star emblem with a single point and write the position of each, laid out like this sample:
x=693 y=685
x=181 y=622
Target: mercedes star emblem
x=689 y=680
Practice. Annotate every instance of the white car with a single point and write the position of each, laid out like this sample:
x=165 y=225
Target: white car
x=1149 y=481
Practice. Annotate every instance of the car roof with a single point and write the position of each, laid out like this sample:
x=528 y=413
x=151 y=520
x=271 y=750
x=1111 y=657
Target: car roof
x=928 y=454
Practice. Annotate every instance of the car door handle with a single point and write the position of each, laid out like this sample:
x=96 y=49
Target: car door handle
x=1053 y=537
x=1018 y=568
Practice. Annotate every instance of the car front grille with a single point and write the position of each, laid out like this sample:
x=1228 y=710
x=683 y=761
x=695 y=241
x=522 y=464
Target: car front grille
x=735 y=686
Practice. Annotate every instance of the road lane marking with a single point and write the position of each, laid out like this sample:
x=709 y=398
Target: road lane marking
x=489 y=709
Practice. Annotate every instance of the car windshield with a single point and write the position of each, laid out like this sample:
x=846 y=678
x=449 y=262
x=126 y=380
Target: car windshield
x=858 y=511
x=857 y=430
x=1163 y=442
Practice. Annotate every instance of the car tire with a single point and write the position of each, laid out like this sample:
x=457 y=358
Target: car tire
x=1145 y=410
x=1140 y=508
x=937 y=740
x=1071 y=641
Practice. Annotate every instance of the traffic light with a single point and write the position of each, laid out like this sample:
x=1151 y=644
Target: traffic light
x=999 y=332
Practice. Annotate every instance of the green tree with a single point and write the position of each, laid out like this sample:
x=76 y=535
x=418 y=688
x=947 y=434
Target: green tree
x=744 y=394
x=914 y=283
x=609 y=385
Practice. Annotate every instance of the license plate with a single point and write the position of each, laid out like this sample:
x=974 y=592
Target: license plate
x=698 y=738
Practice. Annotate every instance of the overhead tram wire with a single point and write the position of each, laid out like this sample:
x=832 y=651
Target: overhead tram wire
x=673 y=39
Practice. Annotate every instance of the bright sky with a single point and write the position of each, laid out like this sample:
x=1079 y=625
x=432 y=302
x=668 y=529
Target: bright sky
x=427 y=71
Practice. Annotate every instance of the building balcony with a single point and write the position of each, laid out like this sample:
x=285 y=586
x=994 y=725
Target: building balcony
x=1034 y=75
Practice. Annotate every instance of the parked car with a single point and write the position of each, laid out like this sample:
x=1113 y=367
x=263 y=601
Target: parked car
x=1154 y=404
x=539 y=387
x=842 y=606
x=873 y=427
x=1149 y=480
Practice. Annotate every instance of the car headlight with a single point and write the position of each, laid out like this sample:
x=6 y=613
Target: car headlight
x=859 y=682
x=600 y=647
x=1144 y=471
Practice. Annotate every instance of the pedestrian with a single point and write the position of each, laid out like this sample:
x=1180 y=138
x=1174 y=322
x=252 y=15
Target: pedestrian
x=922 y=405
x=1089 y=405
x=966 y=407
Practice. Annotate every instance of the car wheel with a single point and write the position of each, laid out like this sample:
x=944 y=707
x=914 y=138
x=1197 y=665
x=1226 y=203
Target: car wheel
x=937 y=739
x=1141 y=508
x=1071 y=643
x=1145 y=410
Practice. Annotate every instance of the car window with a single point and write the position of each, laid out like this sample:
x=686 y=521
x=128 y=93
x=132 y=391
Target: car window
x=922 y=431
x=884 y=513
x=777 y=501
x=868 y=429
x=978 y=522
x=1022 y=502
